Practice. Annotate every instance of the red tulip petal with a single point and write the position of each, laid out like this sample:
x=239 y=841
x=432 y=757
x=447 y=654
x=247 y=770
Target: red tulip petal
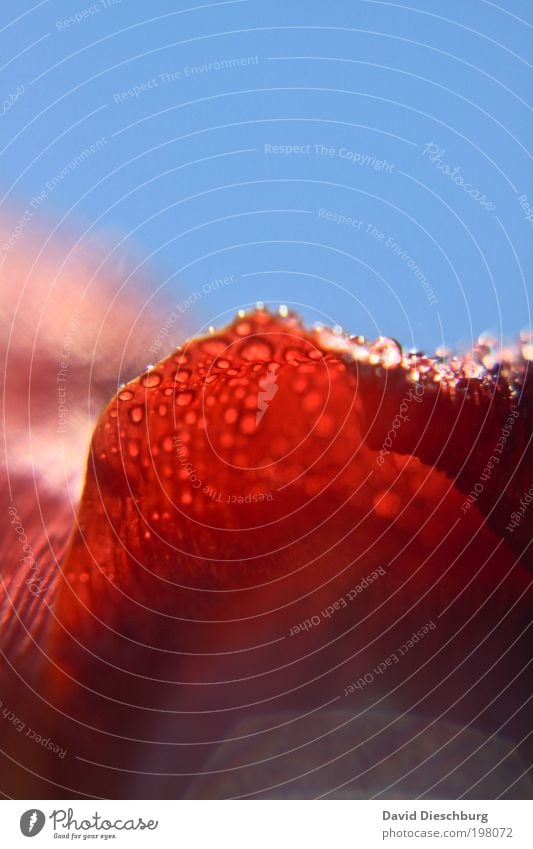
x=242 y=476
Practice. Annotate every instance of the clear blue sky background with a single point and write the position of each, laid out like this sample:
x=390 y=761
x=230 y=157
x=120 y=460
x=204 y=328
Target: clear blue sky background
x=183 y=177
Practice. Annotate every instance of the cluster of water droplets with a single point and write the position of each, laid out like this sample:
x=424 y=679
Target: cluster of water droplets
x=224 y=354
x=488 y=359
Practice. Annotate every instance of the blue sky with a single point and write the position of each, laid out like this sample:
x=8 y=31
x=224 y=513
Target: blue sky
x=365 y=161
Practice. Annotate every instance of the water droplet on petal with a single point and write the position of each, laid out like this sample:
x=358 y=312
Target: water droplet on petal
x=133 y=448
x=151 y=380
x=358 y=348
x=474 y=370
x=214 y=347
x=136 y=414
x=385 y=351
x=244 y=328
x=293 y=356
x=182 y=375
x=332 y=341
x=183 y=399
x=248 y=424
x=231 y=415
x=527 y=351
x=312 y=402
x=125 y=395
x=256 y=351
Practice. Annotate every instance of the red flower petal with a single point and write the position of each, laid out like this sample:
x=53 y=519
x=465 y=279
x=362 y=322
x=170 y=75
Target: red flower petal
x=249 y=542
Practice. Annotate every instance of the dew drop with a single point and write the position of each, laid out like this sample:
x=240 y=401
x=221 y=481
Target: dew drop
x=133 y=448
x=222 y=363
x=474 y=370
x=125 y=395
x=293 y=356
x=248 y=424
x=243 y=328
x=183 y=399
x=151 y=379
x=182 y=375
x=214 y=347
x=332 y=340
x=250 y=402
x=385 y=351
x=312 y=402
x=136 y=414
x=527 y=351
x=231 y=415
x=256 y=351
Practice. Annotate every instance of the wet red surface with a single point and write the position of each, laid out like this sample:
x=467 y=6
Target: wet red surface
x=268 y=516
